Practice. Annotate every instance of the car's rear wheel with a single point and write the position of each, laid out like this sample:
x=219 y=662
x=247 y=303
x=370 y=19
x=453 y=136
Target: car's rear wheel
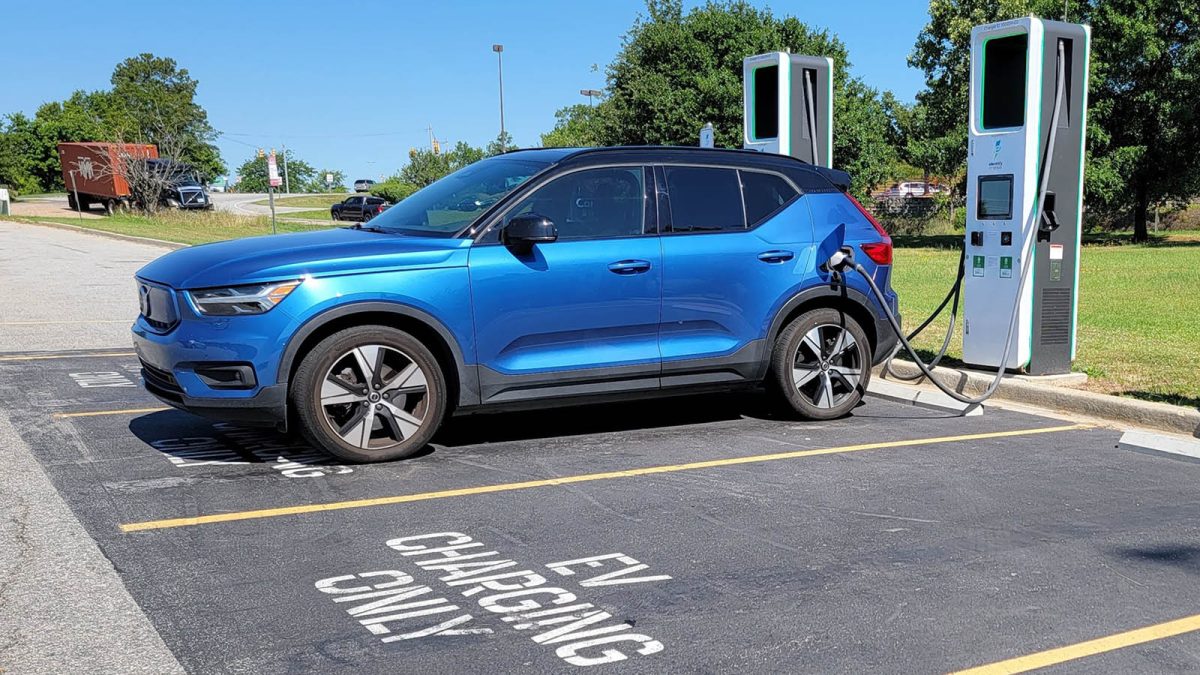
x=369 y=394
x=822 y=363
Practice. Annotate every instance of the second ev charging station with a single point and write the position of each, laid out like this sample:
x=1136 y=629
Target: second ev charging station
x=788 y=106
x=1028 y=103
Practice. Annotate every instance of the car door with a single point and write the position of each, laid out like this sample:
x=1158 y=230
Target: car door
x=354 y=209
x=736 y=243
x=578 y=315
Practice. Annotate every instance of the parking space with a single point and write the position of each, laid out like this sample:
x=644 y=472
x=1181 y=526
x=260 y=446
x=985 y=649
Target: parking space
x=685 y=534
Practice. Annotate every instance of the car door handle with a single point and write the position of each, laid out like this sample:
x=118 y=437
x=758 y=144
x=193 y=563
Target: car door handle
x=629 y=266
x=776 y=256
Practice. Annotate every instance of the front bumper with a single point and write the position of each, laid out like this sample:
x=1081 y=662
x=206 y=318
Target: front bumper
x=185 y=366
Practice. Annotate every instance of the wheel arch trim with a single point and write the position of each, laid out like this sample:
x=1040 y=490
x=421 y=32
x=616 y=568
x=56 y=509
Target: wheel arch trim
x=468 y=388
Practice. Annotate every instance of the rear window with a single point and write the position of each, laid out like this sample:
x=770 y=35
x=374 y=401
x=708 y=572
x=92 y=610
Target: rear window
x=765 y=194
x=705 y=199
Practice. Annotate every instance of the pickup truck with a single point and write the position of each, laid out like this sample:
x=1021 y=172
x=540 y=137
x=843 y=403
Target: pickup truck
x=359 y=208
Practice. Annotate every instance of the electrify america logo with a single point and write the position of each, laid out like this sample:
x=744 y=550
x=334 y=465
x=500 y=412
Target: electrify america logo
x=996 y=163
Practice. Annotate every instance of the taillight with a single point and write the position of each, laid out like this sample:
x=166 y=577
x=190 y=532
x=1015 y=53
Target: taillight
x=379 y=209
x=880 y=252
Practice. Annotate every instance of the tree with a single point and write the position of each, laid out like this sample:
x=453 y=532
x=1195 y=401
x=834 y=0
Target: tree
x=155 y=103
x=253 y=176
x=499 y=145
x=18 y=139
x=152 y=100
x=1144 y=125
x=425 y=166
x=576 y=126
x=319 y=184
x=1142 y=120
x=677 y=71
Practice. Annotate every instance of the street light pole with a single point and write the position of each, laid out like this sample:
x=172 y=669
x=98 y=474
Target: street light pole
x=590 y=93
x=499 y=49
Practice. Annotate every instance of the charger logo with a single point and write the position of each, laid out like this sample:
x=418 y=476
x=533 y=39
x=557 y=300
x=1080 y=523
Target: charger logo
x=996 y=150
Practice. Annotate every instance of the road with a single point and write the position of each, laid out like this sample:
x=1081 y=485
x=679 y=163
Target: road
x=699 y=534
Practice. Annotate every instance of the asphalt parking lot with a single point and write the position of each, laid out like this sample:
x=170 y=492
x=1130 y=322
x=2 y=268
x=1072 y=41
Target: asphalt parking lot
x=691 y=534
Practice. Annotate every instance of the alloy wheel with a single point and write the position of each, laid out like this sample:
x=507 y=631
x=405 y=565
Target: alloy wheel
x=827 y=367
x=375 y=396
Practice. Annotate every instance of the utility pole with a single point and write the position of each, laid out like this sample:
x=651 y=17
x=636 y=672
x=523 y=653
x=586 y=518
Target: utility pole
x=287 y=188
x=590 y=93
x=499 y=49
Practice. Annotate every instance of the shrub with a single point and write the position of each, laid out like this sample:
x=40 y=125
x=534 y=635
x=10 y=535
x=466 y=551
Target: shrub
x=393 y=190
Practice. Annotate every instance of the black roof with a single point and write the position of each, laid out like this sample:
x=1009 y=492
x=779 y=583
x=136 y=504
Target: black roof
x=810 y=178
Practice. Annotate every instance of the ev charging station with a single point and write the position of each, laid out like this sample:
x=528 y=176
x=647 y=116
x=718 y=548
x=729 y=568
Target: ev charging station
x=788 y=106
x=1028 y=105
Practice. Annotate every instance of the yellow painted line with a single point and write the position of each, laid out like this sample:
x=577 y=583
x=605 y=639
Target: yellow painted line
x=48 y=357
x=51 y=323
x=1052 y=657
x=567 y=480
x=101 y=413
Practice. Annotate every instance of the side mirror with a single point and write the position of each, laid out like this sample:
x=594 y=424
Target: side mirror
x=523 y=231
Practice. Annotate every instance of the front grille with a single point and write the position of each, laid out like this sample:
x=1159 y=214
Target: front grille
x=1056 y=316
x=157 y=304
x=160 y=379
x=189 y=197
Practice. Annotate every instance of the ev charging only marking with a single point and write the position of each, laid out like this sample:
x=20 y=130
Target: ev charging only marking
x=584 y=634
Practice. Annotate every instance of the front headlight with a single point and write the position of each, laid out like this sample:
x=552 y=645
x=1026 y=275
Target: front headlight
x=235 y=300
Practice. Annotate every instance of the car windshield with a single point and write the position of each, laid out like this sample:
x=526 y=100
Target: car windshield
x=452 y=203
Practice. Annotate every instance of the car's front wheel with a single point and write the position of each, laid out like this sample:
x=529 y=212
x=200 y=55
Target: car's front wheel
x=822 y=363
x=369 y=394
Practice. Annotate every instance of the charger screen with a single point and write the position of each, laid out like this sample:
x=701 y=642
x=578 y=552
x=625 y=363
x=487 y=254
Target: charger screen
x=995 y=197
x=766 y=103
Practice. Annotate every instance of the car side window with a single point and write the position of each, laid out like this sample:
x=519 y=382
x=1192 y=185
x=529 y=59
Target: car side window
x=705 y=199
x=591 y=204
x=353 y=201
x=765 y=194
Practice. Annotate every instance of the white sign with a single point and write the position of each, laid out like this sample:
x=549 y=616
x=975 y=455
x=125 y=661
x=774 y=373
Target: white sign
x=706 y=136
x=273 y=171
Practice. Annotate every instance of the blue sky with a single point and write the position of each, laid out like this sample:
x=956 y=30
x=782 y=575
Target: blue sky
x=353 y=85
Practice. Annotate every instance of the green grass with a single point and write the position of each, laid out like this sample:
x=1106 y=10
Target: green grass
x=315 y=214
x=182 y=226
x=307 y=201
x=1139 y=311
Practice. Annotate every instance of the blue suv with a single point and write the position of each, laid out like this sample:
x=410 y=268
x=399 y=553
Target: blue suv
x=537 y=277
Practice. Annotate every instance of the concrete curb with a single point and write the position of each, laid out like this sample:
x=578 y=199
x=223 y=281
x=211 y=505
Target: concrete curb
x=98 y=233
x=920 y=397
x=1161 y=416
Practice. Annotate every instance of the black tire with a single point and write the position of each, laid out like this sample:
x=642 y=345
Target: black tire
x=71 y=201
x=367 y=216
x=822 y=386
x=110 y=206
x=395 y=350
x=333 y=216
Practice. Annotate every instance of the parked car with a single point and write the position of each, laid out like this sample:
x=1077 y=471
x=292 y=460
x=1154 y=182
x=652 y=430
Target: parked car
x=914 y=189
x=96 y=173
x=363 y=185
x=582 y=275
x=358 y=208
